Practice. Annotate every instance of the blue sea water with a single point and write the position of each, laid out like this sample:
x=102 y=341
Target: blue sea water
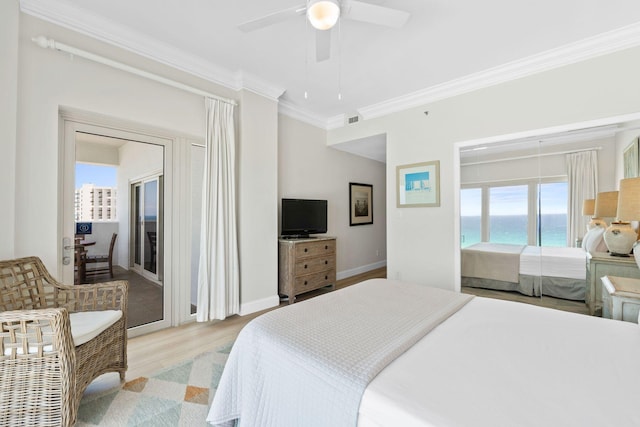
x=513 y=229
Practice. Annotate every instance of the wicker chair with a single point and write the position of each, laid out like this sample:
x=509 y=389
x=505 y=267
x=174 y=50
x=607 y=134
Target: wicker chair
x=43 y=374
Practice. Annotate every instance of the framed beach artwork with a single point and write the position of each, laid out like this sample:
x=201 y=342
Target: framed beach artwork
x=418 y=184
x=630 y=159
x=360 y=204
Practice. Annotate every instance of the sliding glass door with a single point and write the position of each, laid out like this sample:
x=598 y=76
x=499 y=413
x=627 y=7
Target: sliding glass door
x=147 y=227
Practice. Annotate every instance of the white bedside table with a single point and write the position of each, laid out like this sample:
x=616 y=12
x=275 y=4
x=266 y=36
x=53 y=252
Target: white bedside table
x=621 y=298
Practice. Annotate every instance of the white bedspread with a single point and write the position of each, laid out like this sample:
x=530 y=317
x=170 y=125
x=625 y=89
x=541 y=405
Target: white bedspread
x=308 y=364
x=503 y=364
x=554 y=262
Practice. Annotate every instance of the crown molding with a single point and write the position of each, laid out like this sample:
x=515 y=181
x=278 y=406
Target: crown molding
x=255 y=84
x=291 y=110
x=602 y=44
x=109 y=32
x=114 y=34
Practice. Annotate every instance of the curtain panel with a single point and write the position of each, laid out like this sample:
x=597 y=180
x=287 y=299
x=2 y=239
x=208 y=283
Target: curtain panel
x=582 y=173
x=218 y=272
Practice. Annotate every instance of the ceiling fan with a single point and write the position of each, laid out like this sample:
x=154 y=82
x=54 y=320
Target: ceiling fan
x=323 y=15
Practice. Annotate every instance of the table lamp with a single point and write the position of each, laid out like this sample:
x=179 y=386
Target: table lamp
x=588 y=209
x=620 y=236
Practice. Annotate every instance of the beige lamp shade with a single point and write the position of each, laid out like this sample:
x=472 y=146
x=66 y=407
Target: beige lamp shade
x=588 y=207
x=629 y=200
x=606 y=204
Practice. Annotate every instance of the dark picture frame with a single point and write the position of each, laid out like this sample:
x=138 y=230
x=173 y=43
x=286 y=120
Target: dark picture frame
x=360 y=204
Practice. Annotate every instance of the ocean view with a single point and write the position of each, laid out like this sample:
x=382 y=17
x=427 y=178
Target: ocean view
x=513 y=229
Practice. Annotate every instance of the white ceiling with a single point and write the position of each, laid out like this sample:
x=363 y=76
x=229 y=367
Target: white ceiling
x=376 y=68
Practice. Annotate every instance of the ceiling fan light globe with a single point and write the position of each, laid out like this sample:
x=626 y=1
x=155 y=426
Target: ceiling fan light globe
x=323 y=14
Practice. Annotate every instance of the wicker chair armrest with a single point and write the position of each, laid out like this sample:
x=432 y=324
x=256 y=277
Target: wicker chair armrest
x=32 y=333
x=94 y=297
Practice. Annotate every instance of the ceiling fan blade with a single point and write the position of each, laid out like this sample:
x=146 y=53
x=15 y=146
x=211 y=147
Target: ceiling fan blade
x=272 y=18
x=373 y=14
x=323 y=45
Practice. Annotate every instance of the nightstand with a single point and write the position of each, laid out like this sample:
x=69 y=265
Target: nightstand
x=600 y=264
x=621 y=298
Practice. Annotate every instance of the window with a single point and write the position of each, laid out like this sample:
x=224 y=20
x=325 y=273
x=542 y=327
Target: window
x=470 y=216
x=508 y=214
x=530 y=213
x=553 y=214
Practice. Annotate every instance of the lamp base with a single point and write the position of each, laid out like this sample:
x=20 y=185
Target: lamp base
x=620 y=238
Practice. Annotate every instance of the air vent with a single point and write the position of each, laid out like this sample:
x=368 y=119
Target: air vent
x=352 y=120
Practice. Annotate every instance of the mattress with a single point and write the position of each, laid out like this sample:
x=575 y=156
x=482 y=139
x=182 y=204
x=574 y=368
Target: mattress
x=554 y=262
x=497 y=363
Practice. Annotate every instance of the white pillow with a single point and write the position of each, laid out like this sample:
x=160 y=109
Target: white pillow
x=593 y=241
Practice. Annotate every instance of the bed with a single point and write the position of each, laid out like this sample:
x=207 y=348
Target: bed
x=531 y=270
x=368 y=356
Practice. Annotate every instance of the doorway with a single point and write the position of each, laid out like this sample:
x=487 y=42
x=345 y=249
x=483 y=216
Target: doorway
x=141 y=161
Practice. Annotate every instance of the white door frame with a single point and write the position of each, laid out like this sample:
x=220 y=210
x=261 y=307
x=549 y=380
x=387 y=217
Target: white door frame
x=72 y=122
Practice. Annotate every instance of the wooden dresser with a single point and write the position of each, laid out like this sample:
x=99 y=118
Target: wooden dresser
x=600 y=264
x=305 y=265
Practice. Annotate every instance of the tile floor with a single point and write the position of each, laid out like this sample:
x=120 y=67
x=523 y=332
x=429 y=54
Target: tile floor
x=145 y=296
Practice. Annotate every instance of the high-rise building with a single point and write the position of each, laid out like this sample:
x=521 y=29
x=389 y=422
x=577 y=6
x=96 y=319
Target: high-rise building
x=95 y=203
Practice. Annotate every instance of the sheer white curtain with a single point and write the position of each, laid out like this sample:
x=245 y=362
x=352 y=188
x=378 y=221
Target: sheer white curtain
x=582 y=172
x=218 y=273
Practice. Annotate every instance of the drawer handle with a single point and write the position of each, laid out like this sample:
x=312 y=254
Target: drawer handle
x=305 y=266
x=326 y=277
x=305 y=282
x=305 y=249
x=326 y=246
x=326 y=262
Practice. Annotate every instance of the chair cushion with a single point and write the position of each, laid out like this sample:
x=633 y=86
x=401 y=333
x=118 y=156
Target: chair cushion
x=86 y=325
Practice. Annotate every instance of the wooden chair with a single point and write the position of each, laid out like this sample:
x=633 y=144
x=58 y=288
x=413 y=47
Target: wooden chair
x=104 y=259
x=46 y=361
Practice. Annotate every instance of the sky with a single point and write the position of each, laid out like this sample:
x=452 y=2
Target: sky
x=101 y=176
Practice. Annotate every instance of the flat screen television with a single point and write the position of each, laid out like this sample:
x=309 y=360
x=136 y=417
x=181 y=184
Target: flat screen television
x=302 y=217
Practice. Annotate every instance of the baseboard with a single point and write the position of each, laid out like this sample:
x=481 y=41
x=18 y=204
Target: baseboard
x=359 y=270
x=259 y=305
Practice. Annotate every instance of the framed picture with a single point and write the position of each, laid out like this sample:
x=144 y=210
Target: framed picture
x=418 y=184
x=360 y=204
x=630 y=159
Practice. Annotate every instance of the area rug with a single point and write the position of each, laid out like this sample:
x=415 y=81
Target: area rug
x=176 y=396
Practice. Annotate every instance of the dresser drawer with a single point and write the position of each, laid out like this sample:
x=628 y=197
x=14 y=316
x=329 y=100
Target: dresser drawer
x=310 y=282
x=311 y=249
x=314 y=265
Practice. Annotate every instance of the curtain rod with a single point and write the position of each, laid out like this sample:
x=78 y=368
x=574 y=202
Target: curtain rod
x=529 y=156
x=45 y=42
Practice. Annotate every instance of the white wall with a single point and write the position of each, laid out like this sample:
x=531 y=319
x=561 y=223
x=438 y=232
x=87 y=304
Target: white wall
x=50 y=80
x=9 y=13
x=422 y=243
x=310 y=169
x=257 y=159
x=547 y=166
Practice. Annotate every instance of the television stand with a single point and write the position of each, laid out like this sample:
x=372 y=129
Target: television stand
x=297 y=237
x=305 y=265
